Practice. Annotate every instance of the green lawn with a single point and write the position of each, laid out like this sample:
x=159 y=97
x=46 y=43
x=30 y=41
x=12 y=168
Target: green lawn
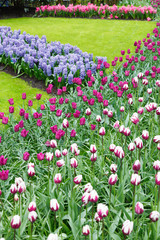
x=13 y=88
x=100 y=37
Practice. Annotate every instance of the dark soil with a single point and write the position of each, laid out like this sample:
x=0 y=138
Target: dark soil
x=16 y=12
x=33 y=82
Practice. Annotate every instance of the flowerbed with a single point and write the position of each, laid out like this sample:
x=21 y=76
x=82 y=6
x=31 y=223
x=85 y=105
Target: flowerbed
x=91 y=10
x=54 y=62
x=85 y=164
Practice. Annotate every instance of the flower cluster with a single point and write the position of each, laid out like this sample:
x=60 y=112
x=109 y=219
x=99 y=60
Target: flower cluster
x=104 y=11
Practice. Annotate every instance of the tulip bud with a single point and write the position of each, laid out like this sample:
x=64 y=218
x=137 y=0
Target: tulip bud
x=58 y=178
x=157 y=178
x=102 y=210
x=32 y=207
x=113 y=179
x=16 y=197
x=93 y=196
x=65 y=123
x=136 y=166
x=93 y=148
x=85 y=198
x=134 y=119
x=64 y=152
x=135 y=179
x=105 y=111
x=16 y=222
x=122 y=109
x=156 y=139
x=158 y=146
x=53 y=143
x=102 y=131
x=139 y=143
x=126 y=131
x=145 y=134
x=121 y=129
x=26 y=156
x=154 y=216
x=77 y=179
x=57 y=153
x=116 y=125
x=22 y=187
x=156 y=165
x=130 y=101
x=54 y=206
x=139 y=209
x=88 y=111
x=127 y=227
x=86 y=230
x=13 y=189
x=140 y=110
x=98 y=118
x=112 y=147
x=40 y=156
x=74 y=163
x=93 y=157
x=88 y=188
x=97 y=217
x=18 y=181
x=60 y=163
x=49 y=156
x=30 y=165
x=32 y=216
x=52 y=236
x=131 y=147
x=113 y=168
x=118 y=151
x=31 y=172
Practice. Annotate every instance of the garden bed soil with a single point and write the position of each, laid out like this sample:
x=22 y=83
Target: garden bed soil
x=16 y=12
x=32 y=81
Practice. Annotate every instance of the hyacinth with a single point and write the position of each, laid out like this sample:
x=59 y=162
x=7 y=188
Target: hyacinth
x=127 y=227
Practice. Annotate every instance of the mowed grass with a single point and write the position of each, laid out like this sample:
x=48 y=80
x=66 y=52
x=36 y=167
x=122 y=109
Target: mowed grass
x=13 y=88
x=100 y=37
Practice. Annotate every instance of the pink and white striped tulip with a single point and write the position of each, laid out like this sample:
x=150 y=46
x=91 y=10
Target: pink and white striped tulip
x=53 y=143
x=156 y=165
x=54 y=206
x=113 y=179
x=93 y=148
x=102 y=131
x=32 y=216
x=65 y=123
x=60 y=163
x=131 y=146
x=113 y=168
x=13 y=188
x=88 y=187
x=139 y=209
x=118 y=151
x=145 y=134
x=16 y=222
x=57 y=153
x=135 y=179
x=112 y=147
x=154 y=216
x=93 y=196
x=93 y=157
x=86 y=230
x=102 y=210
x=127 y=227
x=58 y=178
x=77 y=179
x=74 y=163
x=32 y=206
x=49 y=156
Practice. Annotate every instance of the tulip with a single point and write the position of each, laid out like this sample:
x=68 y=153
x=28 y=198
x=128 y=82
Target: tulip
x=53 y=143
x=112 y=147
x=93 y=157
x=32 y=206
x=52 y=236
x=127 y=227
x=21 y=187
x=82 y=121
x=49 y=156
x=16 y=222
x=156 y=165
x=131 y=147
x=126 y=131
x=154 y=216
x=18 y=181
x=60 y=163
x=118 y=151
x=98 y=118
x=30 y=165
x=88 y=188
x=77 y=179
x=93 y=148
x=113 y=179
x=57 y=153
x=31 y=172
x=26 y=156
x=113 y=168
x=121 y=129
x=116 y=125
x=135 y=119
x=97 y=217
x=58 y=178
x=85 y=199
x=13 y=188
x=74 y=163
x=135 y=179
x=156 y=139
x=16 y=197
x=64 y=152
x=3 y=160
x=102 y=210
x=65 y=123
x=54 y=206
x=86 y=230
x=136 y=166
x=145 y=134
x=88 y=112
x=23 y=96
x=40 y=156
x=32 y=216
x=73 y=133
x=139 y=209
x=4 y=174
x=93 y=196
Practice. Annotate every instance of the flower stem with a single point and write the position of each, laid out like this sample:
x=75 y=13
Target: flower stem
x=92 y=220
x=103 y=229
x=54 y=220
x=14 y=234
x=158 y=198
x=133 y=207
